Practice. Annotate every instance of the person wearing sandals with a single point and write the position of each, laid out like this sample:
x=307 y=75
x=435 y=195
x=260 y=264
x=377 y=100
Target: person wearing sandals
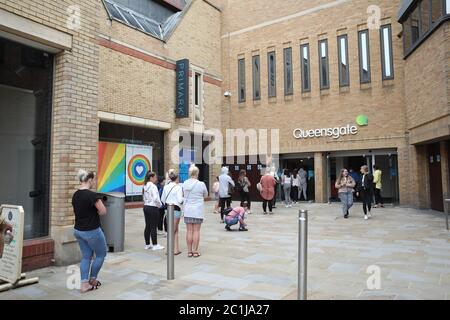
x=173 y=195
x=195 y=193
x=87 y=230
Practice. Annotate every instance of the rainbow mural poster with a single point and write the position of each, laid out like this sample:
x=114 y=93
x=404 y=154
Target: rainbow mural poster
x=111 y=167
x=139 y=162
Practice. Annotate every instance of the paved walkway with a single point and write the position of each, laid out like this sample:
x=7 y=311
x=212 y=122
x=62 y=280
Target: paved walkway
x=411 y=248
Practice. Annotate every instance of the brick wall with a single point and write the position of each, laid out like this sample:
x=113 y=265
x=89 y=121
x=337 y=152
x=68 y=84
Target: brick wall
x=382 y=101
x=75 y=124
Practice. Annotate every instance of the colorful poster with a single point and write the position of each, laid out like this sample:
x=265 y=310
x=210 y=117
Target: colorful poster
x=111 y=167
x=139 y=160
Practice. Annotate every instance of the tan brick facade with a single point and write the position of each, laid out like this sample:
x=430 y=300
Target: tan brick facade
x=120 y=71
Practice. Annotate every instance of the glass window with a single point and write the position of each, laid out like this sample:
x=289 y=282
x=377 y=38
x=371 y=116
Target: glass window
x=415 y=32
x=425 y=16
x=323 y=65
x=306 y=74
x=198 y=96
x=271 y=63
x=364 y=56
x=288 y=83
x=256 y=78
x=387 y=65
x=25 y=133
x=407 y=34
x=241 y=80
x=447 y=5
x=436 y=10
x=344 y=74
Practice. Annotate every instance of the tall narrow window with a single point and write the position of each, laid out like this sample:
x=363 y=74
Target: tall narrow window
x=306 y=73
x=387 y=64
x=364 y=56
x=425 y=16
x=241 y=80
x=436 y=10
x=288 y=83
x=344 y=73
x=323 y=65
x=415 y=26
x=271 y=63
x=447 y=6
x=198 y=103
x=256 y=78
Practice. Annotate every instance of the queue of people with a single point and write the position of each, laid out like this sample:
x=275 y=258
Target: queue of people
x=188 y=201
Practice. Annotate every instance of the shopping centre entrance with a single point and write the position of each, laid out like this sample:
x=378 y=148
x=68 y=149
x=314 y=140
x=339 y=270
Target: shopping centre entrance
x=386 y=160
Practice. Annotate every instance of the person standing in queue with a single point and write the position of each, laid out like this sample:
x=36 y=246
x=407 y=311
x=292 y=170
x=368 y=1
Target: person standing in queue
x=303 y=176
x=244 y=190
x=295 y=186
x=365 y=191
x=152 y=204
x=345 y=185
x=88 y=208
x=195 y=193
x=286 y=181
x=173 y=195
x=226 y=184
x=268 y=184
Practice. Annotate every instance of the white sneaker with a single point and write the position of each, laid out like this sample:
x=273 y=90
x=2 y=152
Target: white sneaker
x=157 y=247
x=366 y=217
x=287 y=206
x=148 y=247
x=160 y=233
x=370 y=215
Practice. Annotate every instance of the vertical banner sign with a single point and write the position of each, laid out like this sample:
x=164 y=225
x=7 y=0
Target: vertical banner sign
x=139 y=160
x=111 y=167
x=11 y=261
x=182 y=89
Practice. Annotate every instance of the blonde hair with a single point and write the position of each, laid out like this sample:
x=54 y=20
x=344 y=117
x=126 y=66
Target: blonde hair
x=193 y=171
x=85 y=176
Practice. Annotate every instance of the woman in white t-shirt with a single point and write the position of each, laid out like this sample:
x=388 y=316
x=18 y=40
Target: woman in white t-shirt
x=195 y=193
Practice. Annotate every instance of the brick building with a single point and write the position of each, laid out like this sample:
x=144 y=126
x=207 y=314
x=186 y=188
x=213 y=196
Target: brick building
x=337 y=78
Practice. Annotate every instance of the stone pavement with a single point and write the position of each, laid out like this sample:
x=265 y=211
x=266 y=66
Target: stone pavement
x=411 y=248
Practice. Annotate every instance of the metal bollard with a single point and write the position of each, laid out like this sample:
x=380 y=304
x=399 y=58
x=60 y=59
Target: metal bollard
x=302 y=254
x=170 y=243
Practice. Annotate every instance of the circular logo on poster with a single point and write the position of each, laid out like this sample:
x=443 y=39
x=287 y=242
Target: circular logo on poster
x=137 y=169
x=10 y=216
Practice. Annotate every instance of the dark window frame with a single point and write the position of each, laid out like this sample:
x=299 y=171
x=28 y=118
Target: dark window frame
x=432 y=26
x=288 y=91
x=308 y=68
x=361 y=70
x=391 y=52
x=241 y=81
x=343 y=83
x=256 y=77
x=270 y=93
x=321 y=65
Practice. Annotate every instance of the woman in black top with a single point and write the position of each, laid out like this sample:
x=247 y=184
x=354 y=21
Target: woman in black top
x=88 y=208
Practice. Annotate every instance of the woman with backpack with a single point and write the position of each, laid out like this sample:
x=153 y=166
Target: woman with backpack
x=244 y=191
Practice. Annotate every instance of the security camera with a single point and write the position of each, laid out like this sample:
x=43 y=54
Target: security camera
x=227 y=94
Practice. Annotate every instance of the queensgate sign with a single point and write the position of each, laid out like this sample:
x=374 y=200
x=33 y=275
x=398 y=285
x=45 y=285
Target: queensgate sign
x=335 y=132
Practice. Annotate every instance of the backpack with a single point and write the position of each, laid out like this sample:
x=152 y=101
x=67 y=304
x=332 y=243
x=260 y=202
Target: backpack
x=227 y=211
